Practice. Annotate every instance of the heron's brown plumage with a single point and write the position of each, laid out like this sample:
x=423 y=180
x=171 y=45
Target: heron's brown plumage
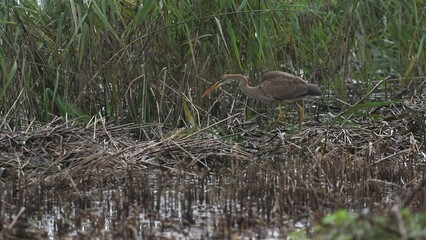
x=284 y=87
x=276 y=86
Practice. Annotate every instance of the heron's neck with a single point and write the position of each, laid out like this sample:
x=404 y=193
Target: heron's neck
x=243 y=79
x=254 y=92
x=246 y=88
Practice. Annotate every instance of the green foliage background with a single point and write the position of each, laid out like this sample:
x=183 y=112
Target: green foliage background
x=148 y=61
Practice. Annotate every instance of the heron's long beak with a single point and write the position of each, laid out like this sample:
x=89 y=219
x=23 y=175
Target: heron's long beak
x=216 y=85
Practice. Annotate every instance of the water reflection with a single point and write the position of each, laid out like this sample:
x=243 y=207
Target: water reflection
x=159 y=204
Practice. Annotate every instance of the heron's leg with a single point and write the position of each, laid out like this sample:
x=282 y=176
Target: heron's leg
x=281 y=114
x=301 y=112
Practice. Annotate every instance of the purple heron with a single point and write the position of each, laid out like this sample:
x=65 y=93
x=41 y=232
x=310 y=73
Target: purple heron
x=276 y=86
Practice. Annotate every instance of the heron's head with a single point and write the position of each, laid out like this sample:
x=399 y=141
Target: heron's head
x=216 y=85
x=224 y=79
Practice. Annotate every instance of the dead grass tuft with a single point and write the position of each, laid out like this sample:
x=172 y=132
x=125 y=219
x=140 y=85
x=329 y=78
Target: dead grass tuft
x=59 y=150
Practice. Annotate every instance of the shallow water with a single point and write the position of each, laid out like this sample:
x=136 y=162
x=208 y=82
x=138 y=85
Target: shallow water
x=157 y=204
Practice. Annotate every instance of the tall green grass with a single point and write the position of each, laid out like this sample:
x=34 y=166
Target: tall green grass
x=149 y=61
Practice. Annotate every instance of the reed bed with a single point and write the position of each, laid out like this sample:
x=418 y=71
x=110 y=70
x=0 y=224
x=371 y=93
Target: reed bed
x=143 y=62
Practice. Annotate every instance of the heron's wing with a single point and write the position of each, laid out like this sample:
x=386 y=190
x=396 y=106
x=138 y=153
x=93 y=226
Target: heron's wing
x=283 y=87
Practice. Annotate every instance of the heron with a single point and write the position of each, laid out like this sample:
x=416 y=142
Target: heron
x=276 y=86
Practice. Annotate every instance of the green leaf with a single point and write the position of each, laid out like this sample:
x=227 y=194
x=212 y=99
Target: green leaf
x=9 y=77
x=188 y=114
x=235 y=48
x=7 y=22
x=219 y=26
x=242 y=5
x=357 y=107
